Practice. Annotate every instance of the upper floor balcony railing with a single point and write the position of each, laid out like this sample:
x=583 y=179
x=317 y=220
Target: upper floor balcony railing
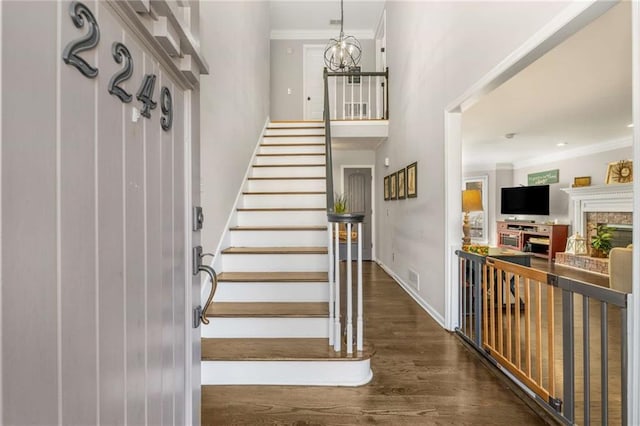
x=357 y=95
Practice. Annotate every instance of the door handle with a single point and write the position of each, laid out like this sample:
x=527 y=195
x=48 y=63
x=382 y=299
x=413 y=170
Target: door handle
x=308 y=98
x=200 y=313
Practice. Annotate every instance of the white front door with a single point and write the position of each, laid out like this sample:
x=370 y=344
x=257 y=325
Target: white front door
x=313 y=84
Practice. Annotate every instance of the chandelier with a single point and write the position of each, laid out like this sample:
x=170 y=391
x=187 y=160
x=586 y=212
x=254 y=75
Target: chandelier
x=344 y=52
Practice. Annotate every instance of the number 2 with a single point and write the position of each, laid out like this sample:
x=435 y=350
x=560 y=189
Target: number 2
x=121 y=53
x=70 y=54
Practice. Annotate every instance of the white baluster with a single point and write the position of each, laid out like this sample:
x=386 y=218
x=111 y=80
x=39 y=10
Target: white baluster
x=360 y=90
x=360 y=323
x=352 y=99
x=337 y=336
x=369 y=95
x=344 y=98
x=331 y=283
x=335 y=97
x=349 y=294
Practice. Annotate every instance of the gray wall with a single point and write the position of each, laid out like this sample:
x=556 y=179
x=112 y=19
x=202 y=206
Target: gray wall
x=436 y=51
x=286 y=72
x=235 y=103
x=93 y=232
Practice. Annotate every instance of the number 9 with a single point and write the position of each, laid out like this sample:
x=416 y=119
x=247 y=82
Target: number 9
x=166 y=105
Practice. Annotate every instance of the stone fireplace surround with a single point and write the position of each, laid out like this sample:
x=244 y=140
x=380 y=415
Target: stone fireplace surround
x=592 y=205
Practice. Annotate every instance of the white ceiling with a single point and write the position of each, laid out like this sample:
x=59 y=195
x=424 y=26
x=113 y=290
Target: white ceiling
x=579 y=93
x=360 y=16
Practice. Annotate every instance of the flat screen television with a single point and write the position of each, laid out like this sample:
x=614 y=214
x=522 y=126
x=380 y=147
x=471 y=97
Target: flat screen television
x=533 y=200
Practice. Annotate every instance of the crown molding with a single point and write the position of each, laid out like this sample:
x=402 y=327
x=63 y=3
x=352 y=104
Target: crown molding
x=318 y=34
x=573 y=153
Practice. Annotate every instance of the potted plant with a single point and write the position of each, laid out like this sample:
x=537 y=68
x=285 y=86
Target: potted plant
x=340 y=203
x=601 y=241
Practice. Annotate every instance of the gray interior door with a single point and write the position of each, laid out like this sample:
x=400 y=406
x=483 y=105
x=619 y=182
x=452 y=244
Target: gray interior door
x=357 y=188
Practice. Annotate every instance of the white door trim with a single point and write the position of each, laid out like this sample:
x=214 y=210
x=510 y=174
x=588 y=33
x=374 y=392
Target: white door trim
x=373 y=198
x=305 y=48
x=190 y=404
x=574 y=17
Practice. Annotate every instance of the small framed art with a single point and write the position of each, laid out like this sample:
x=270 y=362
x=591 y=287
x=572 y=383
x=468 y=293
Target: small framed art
x=412 y=180
x=620 y=172
x=393 y=186
x=402 y=184
x=386 y=188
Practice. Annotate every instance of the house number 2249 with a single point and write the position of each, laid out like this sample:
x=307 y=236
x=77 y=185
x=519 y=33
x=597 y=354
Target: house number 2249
x=81 y=14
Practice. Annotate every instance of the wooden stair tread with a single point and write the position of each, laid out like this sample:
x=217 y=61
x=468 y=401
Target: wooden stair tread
x=284 y=193
x=292 y=154
x=296 y=121
x=294 y=136
x=275 y=250
x=292 y=144
x=295 y=127
x=313 y=277
x=278 y=228
x=280 y=209
x=290 y=165
x=268 y=310
x=283 y=349
x=289 y=178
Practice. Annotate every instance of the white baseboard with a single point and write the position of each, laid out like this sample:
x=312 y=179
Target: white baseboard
x=411 y=291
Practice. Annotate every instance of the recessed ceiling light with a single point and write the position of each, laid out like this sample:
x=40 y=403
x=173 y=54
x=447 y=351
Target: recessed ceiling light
x=561 y=144
x=630 y=125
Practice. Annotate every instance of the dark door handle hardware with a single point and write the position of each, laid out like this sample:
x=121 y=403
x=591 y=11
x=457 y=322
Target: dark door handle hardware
x=308 y=98
x=214 y=285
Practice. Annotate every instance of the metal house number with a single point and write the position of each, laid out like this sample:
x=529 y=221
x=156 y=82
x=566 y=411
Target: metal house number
x=79 y=15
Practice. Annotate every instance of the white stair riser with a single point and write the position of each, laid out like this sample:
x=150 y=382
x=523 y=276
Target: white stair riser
x=313 y=149
x=286 y=131
x=266 y=328
x=282 y=218
x=284 y=200
x=293 y=140
x=272 y=292
x=290 y=159
x=275 y=262
x=286 y=185
x=301 y=373
x=278 y=238
x=274 y=171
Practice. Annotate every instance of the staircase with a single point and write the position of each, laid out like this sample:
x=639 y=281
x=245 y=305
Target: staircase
x=269 y=320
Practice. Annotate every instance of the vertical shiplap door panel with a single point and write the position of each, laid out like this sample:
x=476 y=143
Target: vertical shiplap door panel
x=135 y=251
x=154 y=252
x=93 y=245
x=29 y=243
x=111 y=260
x=77 y=236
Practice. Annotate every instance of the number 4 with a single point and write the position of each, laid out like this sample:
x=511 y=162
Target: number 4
x=145 y=93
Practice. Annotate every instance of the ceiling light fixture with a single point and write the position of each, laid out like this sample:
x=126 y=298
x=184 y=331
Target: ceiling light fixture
x=630 y=125
x=561 y=144
x=344 y=52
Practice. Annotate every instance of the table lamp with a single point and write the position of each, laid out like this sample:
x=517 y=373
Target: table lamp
x=471 y=202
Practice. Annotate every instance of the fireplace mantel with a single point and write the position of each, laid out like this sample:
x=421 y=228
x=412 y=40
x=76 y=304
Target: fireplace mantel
x=599 y=198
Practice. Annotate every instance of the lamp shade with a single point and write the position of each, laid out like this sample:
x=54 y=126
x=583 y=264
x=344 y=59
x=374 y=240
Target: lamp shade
x=471 y=200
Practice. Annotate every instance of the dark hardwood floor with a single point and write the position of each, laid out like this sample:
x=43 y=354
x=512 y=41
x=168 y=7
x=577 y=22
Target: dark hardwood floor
x=423 y=375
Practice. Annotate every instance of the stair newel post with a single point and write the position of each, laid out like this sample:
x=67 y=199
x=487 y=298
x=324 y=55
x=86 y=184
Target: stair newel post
x=349 y=293
x=337 y=326
x=331 y=283
x=360 y=323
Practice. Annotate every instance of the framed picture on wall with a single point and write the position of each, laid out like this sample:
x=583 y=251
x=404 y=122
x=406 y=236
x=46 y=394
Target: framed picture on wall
x=402 y=184
x=386 y=188
x=478 y=220
x=393 y=186
x=412 y=180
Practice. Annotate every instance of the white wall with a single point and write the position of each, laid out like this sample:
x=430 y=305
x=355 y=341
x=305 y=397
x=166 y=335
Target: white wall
x=234 y=101
x=436 y=51
x=286 y=72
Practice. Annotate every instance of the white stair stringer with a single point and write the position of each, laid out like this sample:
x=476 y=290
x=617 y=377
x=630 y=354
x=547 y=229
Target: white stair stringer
x=277 y=255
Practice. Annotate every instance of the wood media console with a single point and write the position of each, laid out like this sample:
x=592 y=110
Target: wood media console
x=541 y=240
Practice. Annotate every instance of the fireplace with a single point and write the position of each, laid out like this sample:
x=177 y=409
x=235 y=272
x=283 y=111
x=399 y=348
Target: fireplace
x=610 y=205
